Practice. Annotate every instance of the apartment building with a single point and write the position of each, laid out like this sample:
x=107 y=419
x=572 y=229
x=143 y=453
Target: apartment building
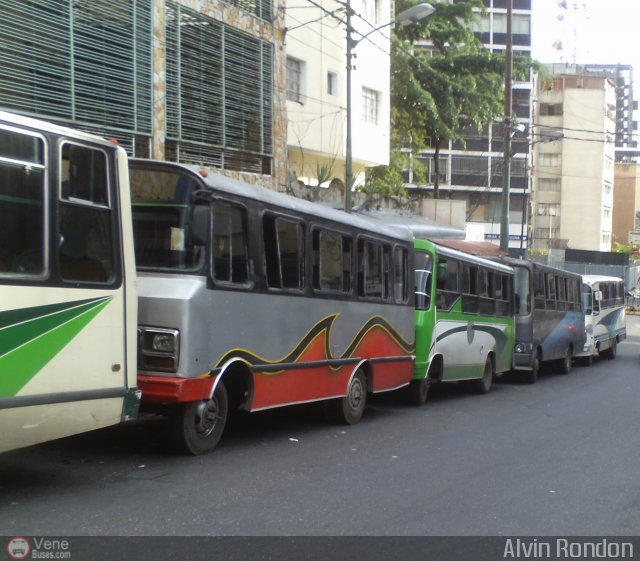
x=317 y=87
x=573 y=176
x=192 y=81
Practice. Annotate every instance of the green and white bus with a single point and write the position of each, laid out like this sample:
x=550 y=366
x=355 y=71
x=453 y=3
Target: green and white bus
x=68 y=302
x=464 y=319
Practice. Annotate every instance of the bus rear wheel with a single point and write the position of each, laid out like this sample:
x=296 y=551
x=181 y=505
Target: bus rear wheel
x=565 y=363
x=348 y=410
x=611 y=352
x=483 y=385
x=196 y=427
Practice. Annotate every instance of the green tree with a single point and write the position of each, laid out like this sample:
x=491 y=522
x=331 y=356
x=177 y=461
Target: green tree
x=436 y=94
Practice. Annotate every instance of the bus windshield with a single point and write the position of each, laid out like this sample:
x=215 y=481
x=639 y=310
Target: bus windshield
x=522 y=290
x=587 y=299
x=424 y=268
x=162 y=206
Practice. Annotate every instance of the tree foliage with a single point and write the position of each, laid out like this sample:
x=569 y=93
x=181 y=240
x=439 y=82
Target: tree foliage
x=455 y=85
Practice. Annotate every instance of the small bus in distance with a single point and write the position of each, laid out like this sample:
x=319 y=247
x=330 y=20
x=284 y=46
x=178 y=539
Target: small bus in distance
x=603 y=303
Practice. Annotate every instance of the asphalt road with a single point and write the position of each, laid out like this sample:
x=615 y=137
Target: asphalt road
x=560 y=457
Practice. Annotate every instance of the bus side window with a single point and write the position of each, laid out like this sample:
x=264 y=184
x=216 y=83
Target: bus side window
x=22 y=196
x=331 y=261
x=538 y=290
x=230 y=262
x=284 y=252
x=84 y=218
x=447 y=291
x=551 y=291
x=400 y=275
x=372 y=276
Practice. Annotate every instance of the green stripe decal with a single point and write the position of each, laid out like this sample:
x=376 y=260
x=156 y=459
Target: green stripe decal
x=31 y=337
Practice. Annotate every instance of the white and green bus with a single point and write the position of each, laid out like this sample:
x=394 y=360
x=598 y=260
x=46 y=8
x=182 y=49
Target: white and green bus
x=68 y=302
x=604 y=317
x=464 y=319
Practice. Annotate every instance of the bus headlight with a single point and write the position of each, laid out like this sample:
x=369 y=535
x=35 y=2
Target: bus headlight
x=158 y=349
x=522 y=347
x=164 y=343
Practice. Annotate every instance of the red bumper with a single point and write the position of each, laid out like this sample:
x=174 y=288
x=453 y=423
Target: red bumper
x=161 y=389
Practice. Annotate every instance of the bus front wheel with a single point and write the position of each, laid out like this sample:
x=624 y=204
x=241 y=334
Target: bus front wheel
x=348 y=410
x=531 y=376
x=196 y=427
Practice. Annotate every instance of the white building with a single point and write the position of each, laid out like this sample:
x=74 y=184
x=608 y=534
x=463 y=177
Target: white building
x=315 y=43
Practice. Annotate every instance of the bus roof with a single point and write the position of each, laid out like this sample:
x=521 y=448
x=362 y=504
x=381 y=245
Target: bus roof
x=513 y=262
x=593 y=279
x=48 y=127
x=221 y=183
x=456 y=254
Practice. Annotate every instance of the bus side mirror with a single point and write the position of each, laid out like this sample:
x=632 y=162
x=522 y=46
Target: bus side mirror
x=200 y=224
x=598 y=295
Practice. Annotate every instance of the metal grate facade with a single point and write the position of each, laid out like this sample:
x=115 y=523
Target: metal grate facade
x=85 y=62
x=219 y=93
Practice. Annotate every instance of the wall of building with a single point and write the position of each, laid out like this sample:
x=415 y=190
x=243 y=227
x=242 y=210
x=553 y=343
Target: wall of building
x=317 y=121
x=626 y=200
x=577 y=213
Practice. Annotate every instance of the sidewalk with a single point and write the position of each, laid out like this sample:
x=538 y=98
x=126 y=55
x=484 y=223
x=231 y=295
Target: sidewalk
x=633 y=324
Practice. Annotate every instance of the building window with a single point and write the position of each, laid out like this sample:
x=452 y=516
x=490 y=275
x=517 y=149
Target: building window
x=548 y=209
x=546 y=184
x=295 y=70
x=332 y=83
x=372 y=11
x=219 y=93
x=370 y=106
x=549 y=160
x=551 y=109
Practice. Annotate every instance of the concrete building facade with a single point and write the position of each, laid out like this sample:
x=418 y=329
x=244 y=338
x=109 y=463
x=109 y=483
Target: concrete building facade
x=573 y=177
x=626 y=203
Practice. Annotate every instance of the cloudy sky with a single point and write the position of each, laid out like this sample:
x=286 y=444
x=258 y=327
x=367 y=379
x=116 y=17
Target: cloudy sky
x=590 y=31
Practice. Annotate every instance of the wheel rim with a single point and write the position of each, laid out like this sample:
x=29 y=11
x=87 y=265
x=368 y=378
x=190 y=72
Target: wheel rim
x=356 y=394
x=207 y=417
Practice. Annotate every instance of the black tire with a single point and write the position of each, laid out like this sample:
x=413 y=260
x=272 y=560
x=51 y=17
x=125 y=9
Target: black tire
x=611 y=352
x=586 y=360
x=531 y=376
x=565 y=363
x=196 y=427
x=483 y=385
x=417 y=391
x=348 y=410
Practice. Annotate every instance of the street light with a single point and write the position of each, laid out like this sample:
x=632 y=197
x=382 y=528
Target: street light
x=406 y=17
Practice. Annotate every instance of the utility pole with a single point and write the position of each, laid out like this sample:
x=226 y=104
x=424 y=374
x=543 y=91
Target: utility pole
x=508 y=132
x=348 y=176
